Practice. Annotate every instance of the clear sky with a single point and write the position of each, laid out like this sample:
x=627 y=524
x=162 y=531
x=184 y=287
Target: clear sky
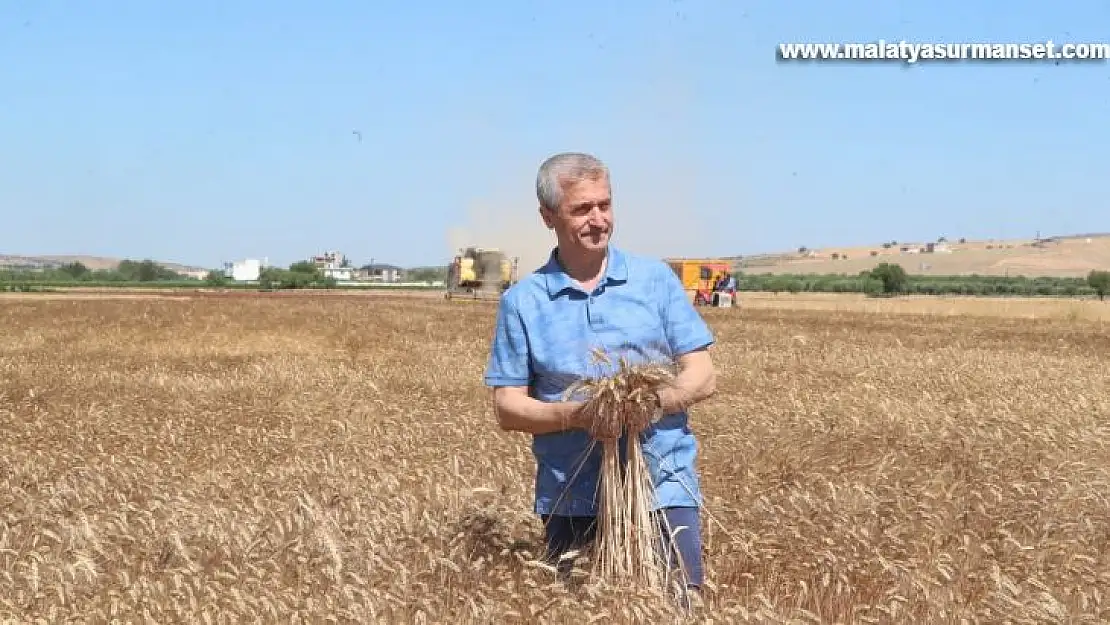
x=213 y=130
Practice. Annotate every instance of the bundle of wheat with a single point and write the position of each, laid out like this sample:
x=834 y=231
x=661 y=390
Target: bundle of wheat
x=629 y=542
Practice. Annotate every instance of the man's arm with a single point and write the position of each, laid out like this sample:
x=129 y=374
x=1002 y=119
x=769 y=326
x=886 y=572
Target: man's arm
x=696 y=381
x=516 y=411
x=690 y=338
x=509 y=373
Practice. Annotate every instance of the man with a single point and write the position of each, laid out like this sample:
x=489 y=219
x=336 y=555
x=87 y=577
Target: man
x=591 y=294
x=730 y=283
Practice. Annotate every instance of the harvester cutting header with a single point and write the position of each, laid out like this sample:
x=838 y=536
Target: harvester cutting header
x=480 y=272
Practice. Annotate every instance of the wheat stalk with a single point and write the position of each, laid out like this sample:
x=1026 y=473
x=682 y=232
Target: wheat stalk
x=205 y=458
x=624 y=403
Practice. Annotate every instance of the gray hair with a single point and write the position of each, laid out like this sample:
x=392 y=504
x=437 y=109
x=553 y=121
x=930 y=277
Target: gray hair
x=567 y=166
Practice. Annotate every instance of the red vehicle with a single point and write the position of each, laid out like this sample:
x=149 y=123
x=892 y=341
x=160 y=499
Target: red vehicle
x=711 y=282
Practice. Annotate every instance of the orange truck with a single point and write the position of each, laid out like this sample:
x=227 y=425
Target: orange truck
x=698 y=275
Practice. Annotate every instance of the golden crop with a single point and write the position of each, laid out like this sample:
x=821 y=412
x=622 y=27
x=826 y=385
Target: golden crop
x=300 y=459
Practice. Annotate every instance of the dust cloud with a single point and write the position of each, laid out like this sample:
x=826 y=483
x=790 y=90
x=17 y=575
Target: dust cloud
x=518 y=231
x=664 y=191
x=654 y=215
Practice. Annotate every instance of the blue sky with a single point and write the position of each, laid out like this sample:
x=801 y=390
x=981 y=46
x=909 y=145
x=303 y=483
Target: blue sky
x=208 y=130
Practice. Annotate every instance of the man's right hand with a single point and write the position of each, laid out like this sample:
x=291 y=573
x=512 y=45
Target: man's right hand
x=516 y=411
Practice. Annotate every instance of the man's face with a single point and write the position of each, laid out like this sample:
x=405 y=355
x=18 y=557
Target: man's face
x=584 y=220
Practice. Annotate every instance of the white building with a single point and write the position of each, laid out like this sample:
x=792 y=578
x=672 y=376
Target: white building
x=339 y=273
x=334 y=265
x=248 y=270
x=330 y=260
x=388 y=274
x=378 y=272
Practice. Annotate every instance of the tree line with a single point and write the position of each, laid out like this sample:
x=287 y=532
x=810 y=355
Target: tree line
x=126 y=271
x=884 y=279
x=300 y=275
x=892 y=279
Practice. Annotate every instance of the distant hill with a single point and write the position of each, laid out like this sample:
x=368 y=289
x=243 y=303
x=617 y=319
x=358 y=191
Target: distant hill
x=1073 y=255
x=92 y=262
x=1060 y=256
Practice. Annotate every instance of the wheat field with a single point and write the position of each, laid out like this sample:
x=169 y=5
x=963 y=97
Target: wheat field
x=314 y=459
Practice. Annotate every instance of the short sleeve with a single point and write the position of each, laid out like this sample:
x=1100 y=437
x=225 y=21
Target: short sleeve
x=686 y=329
x=509 y=361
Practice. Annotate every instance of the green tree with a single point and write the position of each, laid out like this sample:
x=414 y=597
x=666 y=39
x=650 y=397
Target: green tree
x=305 y=267
x=269 y=278
x=142 y=271
x=1100 y=282
x=427 y=274
x=148 y=271
x=215 y=278
x=892 y=275
x=873 y=286
x=778 y=284
x=127 y=270
x=75 y=270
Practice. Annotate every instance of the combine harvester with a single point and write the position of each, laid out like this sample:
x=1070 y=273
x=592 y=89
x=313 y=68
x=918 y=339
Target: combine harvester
x=698 y=275
x=479 y=273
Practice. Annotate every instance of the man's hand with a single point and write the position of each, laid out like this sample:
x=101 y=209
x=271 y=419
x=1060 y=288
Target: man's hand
x=576 y=417
x=696 y=381
x=516 y=411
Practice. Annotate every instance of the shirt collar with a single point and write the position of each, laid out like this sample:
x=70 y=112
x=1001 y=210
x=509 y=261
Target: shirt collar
x=557 y=280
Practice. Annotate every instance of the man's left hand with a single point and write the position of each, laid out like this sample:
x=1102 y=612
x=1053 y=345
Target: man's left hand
x=696 y=382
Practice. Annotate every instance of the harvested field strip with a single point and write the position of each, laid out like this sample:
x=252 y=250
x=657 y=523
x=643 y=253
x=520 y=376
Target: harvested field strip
x=1068 y=309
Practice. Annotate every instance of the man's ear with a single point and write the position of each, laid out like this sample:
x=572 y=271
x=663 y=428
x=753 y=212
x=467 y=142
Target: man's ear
x=548 y=218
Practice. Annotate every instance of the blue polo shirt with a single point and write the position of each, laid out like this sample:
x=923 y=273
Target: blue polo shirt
x=546 y=329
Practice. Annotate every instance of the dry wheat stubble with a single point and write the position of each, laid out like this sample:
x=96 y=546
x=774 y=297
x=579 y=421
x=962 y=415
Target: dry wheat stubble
x=289 y=460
